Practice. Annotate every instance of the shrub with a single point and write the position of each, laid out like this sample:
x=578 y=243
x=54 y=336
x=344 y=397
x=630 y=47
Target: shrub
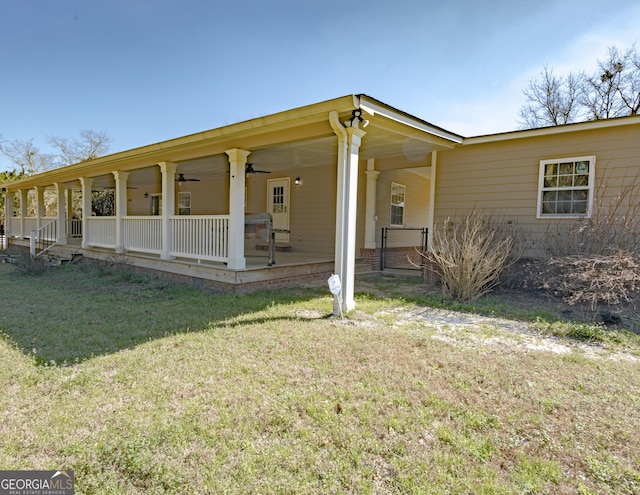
x=470 y=253
x=594 y=279
x=613 y=226
x=31 y=265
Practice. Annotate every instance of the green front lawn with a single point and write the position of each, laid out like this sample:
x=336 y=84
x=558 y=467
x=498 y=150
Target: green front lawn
x=144 y=387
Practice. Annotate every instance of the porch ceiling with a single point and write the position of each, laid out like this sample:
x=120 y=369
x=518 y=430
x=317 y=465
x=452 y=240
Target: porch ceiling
x=378 y=143
x=293 y=140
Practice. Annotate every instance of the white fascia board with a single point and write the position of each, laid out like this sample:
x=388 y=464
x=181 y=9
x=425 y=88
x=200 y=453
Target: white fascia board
x=373 y=108
x=558 y=129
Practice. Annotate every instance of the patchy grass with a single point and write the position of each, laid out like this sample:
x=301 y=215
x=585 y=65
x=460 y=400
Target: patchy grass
x=167 y=389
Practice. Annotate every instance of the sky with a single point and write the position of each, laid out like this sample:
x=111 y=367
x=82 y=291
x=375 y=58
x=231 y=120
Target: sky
x=146 y=71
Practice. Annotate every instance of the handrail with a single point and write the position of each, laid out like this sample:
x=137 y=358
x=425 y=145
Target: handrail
x=44 y=238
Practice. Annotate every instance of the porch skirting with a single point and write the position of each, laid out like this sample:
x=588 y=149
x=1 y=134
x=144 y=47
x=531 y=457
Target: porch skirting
x=211 y=276
x=223 y=281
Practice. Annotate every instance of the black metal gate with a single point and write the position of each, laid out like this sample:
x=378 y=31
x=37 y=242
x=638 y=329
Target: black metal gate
x=402 y=248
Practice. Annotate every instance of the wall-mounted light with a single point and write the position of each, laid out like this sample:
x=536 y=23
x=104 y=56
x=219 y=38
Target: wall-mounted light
x=297 y=181
x=356 y=119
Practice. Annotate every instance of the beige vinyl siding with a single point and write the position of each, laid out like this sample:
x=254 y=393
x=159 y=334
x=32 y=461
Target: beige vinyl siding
x=417 y=192
x=313 y=207
x=208 y=197
x=501 y=178
x=416 y=198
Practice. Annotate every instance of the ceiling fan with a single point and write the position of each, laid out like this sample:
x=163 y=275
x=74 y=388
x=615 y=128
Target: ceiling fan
x=250 y=170
x=111 y=188
x=181 y=178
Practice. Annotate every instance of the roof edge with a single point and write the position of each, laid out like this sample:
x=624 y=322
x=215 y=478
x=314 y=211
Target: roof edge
x=320 y=109
x=373 y=106
x=558 y=129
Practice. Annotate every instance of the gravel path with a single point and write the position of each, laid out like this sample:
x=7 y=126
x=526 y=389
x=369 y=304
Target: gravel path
x=497 y=334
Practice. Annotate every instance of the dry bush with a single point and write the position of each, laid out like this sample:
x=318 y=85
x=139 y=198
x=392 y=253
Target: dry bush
x=30 y=265
x=470 y=253
x=595 y=280
x=613 y=226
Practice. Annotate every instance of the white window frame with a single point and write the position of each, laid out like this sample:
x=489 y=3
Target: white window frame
x=401 y=204
x=589 y=188
x=184 y=203
x=157 y=199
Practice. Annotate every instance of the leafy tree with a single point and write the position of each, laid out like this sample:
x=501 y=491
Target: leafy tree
x=103 y=203
x=613 y=90
x=6 y=176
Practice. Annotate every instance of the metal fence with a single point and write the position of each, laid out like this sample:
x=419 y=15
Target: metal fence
x=402 y=248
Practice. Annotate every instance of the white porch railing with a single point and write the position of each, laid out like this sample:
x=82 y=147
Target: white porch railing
x=102 y=232
x=30 y=223
x=14 y=226
x=202 y=237
x=17 y=228
x=42 y=239
x=75 y=227
x=143 y=234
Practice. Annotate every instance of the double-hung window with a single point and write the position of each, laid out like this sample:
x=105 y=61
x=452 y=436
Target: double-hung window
x=565 y=187
x=184 y=203
x=397 y=204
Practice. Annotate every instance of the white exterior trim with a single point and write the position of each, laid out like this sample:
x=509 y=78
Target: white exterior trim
x=590 y=187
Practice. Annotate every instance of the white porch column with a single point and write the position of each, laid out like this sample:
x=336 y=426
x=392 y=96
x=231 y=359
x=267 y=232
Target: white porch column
x=432 y=199
x=370 y=212
x=87 y=183
x=69 y=213
x=168 y=170
x=237 y=164
x=40 y=209
x=349 y=140
x=8 y=214
x=23 y=213
x=62 y=213
x=121 y=207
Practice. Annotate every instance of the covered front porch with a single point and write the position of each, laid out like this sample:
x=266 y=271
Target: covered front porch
x=211 y=206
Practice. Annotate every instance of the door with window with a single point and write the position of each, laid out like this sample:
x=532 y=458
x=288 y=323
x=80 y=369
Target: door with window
x=278 y=206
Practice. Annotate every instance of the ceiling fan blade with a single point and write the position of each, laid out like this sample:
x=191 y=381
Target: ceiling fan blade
x=182 y=178
x=250 y=170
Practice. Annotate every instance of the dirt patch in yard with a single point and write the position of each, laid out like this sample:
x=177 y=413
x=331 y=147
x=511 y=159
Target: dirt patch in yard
x=523 y=303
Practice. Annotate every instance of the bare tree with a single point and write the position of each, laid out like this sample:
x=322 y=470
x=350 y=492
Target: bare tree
x=90 y=145
x=552 y=100
x=26 y=157
x=612 y=91
x=601 y=93
x=630 y=82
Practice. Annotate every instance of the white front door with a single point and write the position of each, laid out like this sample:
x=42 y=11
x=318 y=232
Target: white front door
x=278 y=206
